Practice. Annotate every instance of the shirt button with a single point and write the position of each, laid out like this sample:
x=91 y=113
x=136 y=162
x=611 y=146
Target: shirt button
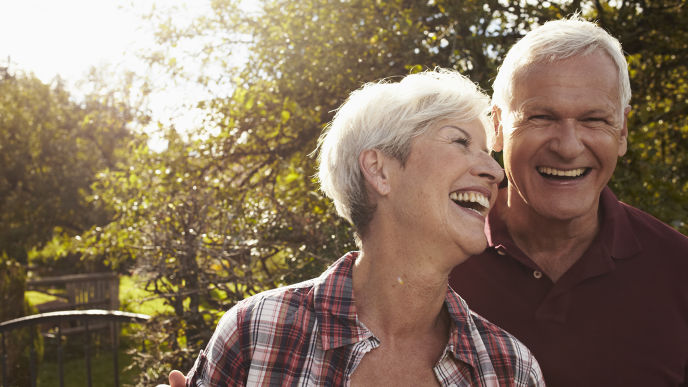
x=537 y=274
x=501 y=252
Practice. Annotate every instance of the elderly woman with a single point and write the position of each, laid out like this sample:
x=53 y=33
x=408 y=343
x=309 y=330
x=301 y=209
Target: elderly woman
x=408 y=165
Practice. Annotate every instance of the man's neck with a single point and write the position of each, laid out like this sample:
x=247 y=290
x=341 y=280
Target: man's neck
x=553 y=244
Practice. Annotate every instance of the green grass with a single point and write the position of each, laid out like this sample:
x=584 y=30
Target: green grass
x=36 y=298
x=74 y=368
x=133 y=298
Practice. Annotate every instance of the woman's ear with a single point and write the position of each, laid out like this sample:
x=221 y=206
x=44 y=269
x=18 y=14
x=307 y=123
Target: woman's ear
x=374 y=164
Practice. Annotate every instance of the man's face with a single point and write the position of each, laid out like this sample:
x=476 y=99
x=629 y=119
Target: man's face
x=562 y=134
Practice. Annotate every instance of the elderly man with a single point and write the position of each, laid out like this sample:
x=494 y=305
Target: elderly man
x=597 y=289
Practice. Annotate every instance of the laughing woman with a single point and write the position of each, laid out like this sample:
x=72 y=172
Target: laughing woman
x=407 y=164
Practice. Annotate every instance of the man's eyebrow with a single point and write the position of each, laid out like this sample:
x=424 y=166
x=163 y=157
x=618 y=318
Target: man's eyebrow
x=597 y=112
x=537 y=107
x=548 y=110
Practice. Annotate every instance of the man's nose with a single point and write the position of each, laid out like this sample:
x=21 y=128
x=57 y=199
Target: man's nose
x=566 y=141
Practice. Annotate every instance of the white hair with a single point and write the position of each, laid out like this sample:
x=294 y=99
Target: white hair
x=387 y=115
x=554 y=41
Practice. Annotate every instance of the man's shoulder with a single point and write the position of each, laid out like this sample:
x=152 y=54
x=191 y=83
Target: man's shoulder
x=652 y=231
x=661 y=249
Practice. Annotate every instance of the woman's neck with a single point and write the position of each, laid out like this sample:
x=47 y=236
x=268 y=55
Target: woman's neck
x=397 y=295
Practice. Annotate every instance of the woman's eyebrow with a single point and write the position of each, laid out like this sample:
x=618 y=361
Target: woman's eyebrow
x=465 y=133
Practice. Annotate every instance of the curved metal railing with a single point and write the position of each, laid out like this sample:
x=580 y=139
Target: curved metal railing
x=86 y=317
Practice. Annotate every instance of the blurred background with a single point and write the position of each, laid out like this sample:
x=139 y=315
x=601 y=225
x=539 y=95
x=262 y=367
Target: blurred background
x=155 y=155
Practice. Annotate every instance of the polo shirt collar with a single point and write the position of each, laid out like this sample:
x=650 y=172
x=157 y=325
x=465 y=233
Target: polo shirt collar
x=616 y=232
x=616 y=238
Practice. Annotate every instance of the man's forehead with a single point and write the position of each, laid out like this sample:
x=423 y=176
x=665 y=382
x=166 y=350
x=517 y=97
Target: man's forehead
x=584 y=82
x=545 y=104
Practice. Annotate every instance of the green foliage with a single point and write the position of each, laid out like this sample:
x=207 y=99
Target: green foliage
x=50 y=150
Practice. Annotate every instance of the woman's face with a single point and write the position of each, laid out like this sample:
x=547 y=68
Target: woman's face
x=443 y=193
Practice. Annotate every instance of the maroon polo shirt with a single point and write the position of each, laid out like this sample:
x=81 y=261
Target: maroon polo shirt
x=617 y=317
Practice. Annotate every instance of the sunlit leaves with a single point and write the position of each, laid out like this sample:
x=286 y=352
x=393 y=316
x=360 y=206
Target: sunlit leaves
x=50 y=151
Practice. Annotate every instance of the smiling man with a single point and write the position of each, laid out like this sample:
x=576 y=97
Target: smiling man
x=597 y=289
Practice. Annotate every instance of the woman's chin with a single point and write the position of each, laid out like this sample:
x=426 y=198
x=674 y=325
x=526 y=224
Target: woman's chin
x=473 y=247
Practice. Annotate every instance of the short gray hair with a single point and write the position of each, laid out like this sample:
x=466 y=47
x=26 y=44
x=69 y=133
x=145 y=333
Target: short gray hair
x=557 y=40
x=387 y=115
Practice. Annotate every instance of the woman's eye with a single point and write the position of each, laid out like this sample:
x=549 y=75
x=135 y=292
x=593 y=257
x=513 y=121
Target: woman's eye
x=462 y=141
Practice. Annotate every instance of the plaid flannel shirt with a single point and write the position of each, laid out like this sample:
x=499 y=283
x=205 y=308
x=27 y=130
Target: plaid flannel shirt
x=308 y=334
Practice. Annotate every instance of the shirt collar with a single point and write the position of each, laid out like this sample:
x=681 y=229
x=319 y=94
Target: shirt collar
x=616 y=237
x=616 y=232
x=461 y=334
x=333 y=302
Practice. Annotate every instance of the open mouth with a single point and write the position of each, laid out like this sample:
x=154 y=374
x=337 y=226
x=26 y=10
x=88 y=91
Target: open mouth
x=562 y=174
x=473 y=201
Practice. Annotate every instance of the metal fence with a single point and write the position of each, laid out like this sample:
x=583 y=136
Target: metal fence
x=87 y=319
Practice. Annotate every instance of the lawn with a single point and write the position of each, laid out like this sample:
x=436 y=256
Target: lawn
x=132 y=299
x=74 y=369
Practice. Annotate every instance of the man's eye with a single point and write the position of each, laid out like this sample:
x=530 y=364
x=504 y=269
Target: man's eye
x=540 y=117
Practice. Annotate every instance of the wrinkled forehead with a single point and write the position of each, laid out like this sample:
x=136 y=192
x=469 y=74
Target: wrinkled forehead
x=591 y=78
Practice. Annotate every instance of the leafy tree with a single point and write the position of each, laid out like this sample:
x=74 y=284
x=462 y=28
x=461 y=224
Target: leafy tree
x=50 y=150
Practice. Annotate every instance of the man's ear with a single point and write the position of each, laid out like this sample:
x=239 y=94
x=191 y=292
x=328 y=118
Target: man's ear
x=373 y=164
x=623 y=137
x=499 y=132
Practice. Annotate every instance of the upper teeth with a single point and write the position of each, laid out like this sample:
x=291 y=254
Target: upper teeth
x=561 y=172
x=475 y=197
